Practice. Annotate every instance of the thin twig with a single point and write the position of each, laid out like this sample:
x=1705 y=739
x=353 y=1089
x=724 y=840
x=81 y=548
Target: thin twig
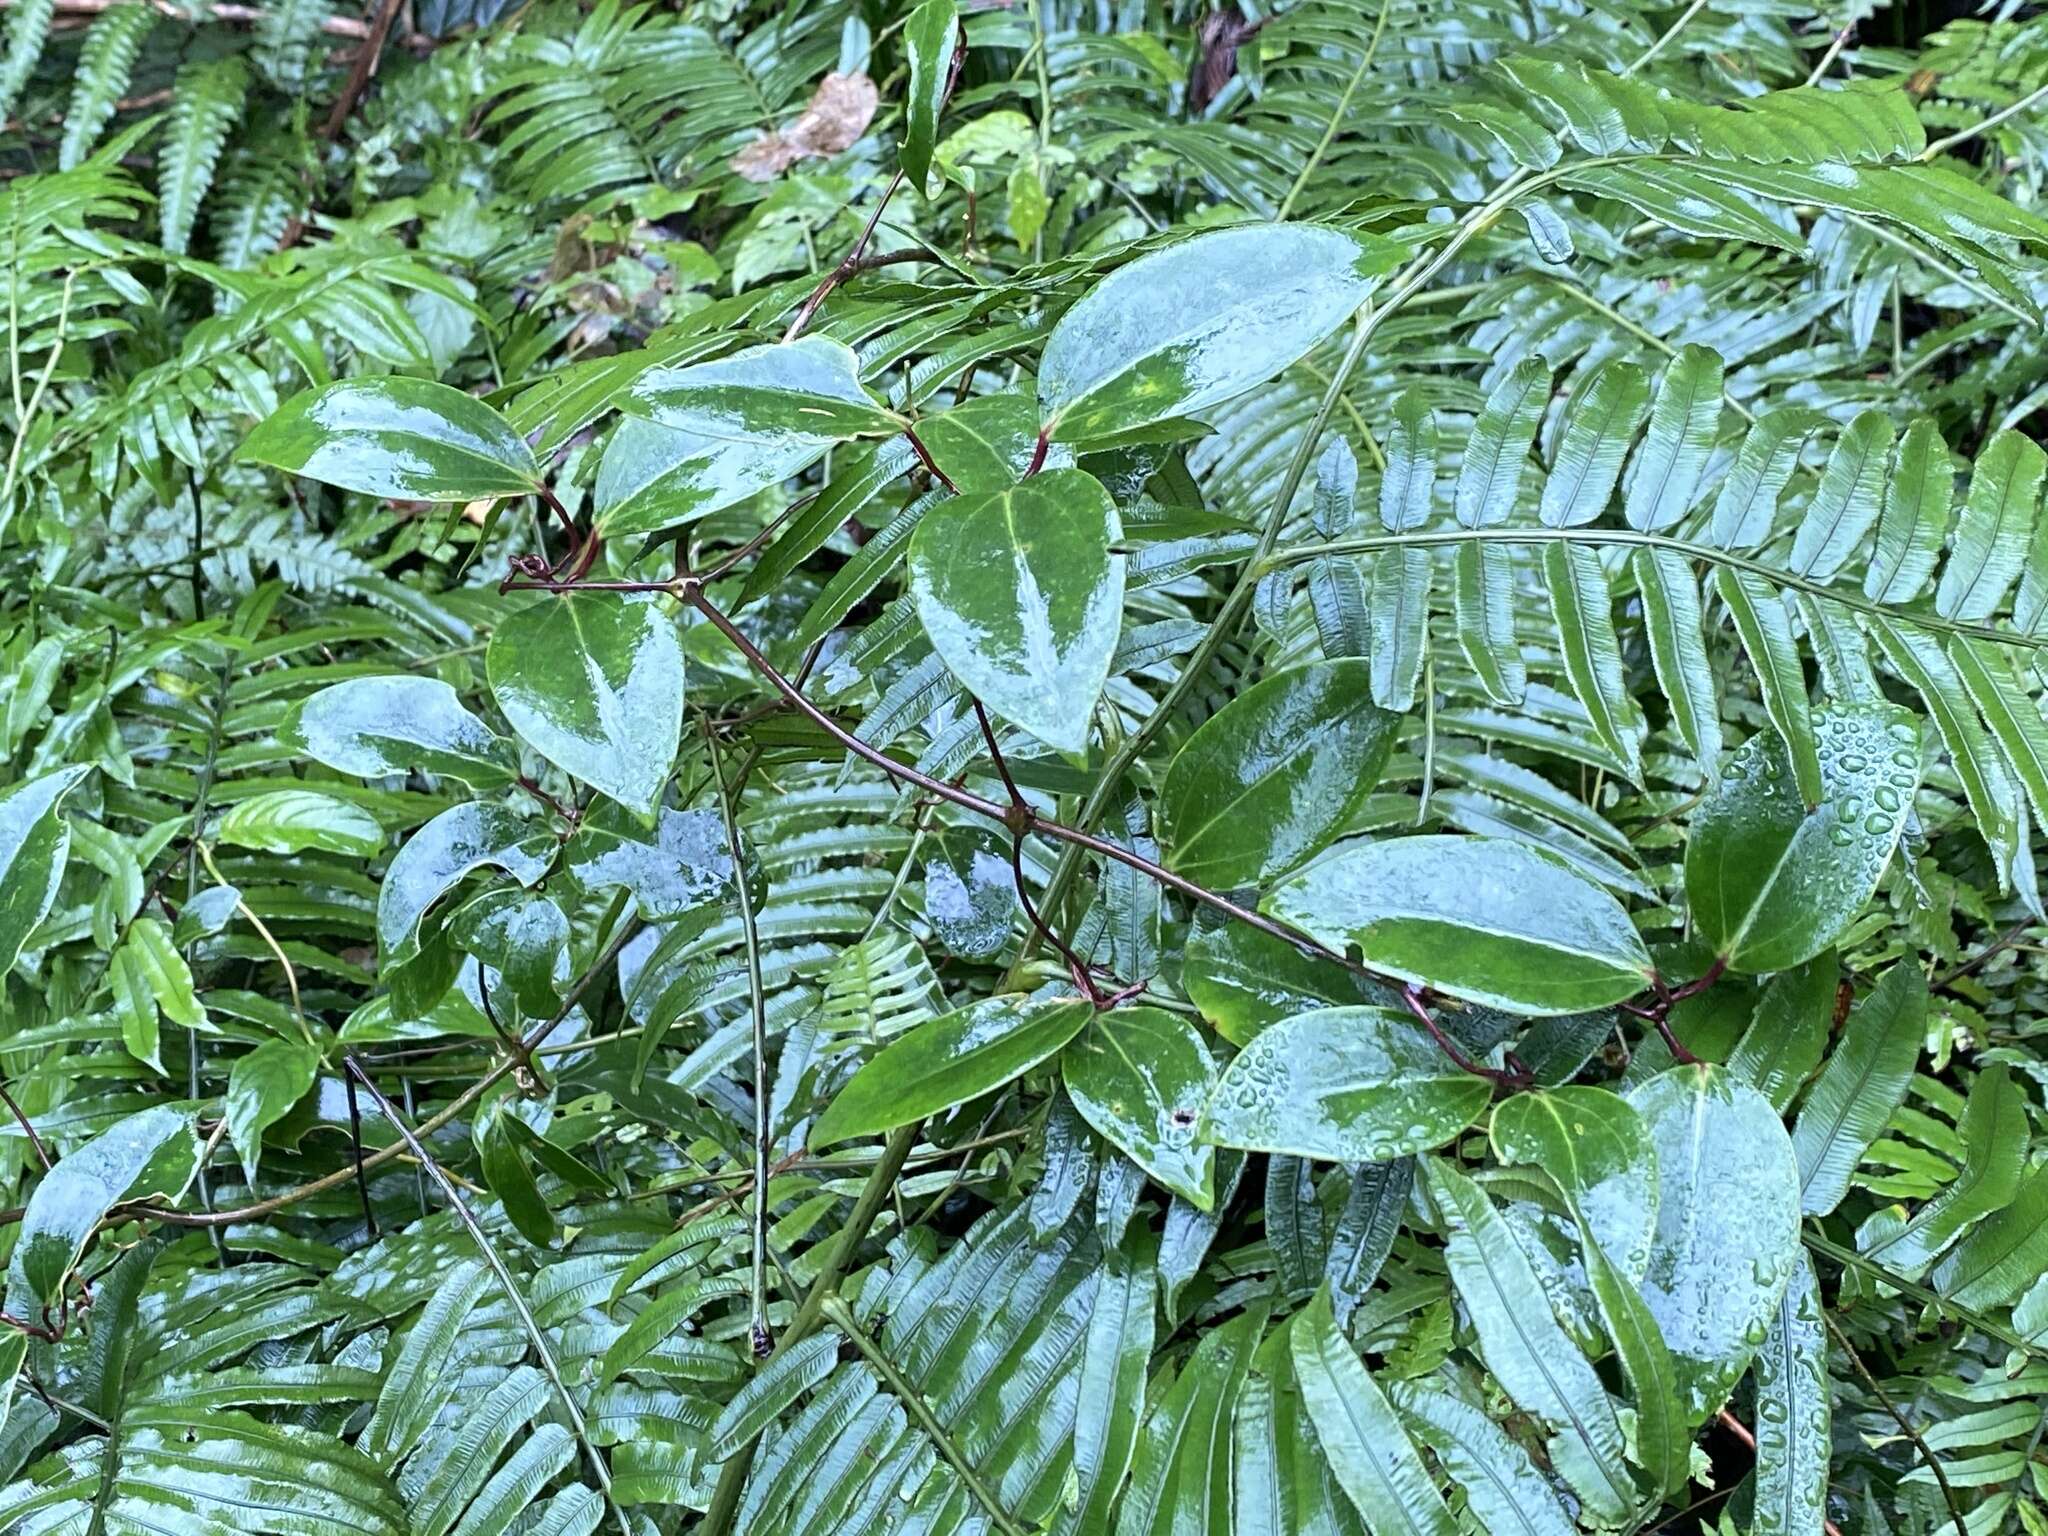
x=539 y=1339
x=359 y=72
x=1948 y=1494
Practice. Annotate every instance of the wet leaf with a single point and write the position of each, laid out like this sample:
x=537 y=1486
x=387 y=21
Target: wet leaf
x=1140 y=1076
x=396 y=437
x=374 y=726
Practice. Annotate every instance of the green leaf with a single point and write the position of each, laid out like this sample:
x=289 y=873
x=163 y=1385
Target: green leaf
x=1771 y=884
x=417 y=1380
x=435 y=858
x=1023 y=599
x=1863 y=1082
x=1794 y=1403
x=1201 y=322
x=145 y=1156
x=1596 y=1147
x=376 y=726
x=930 y=37
x=150 y=976
x=407 y=439
x=1915 y=518
x=1994 y=1132
x=1583 y=609
x=1400 y=625
x=805 y=390
x=34 y=844
x=294 y=820
x=986 y=443
x=2005 y=1254
x=1503 y=1489
x=1846 y=506
x=1994 y=529
x=1790 y=1029
x=1484 y=919
x=1599 y=425
x=1375 y=1462
x=1140 y=1076
x=1484 y=606
x=1685 y=424
x=1727 y=1225
x=948 y=1061
x=594 y=683
x=1276 y=774
x=1346 y=1085
x=1408 y=485
x=262 y=1085
x=1524 y=1345
x=970 y=893
x=1497 y=453
x=1245 y=981
x=1766 y=631
x=1671 y=621
x=688 y=863
x=1747 y=503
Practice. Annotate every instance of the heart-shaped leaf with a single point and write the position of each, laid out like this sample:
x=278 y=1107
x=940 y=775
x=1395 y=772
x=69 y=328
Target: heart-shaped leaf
x=373 y=726
x=1772 y=884
x=1347 y=1085
x=1484 y=919
x=1141 y=1076
x=948 y=1061
x=594 y=683
x=402 y=438
x=687 y=864
x=1274 y=776
x=1023 y=599
x=1201 y=322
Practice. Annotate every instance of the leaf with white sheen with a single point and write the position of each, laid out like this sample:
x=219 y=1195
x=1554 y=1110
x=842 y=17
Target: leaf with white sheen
x=1497 y=452
x=1400 y=625
x=1863 y=1082
x=1994 y=1132
x=1483 y=604
x=594 y=683
x=1200 y=322
x=1346 y=1085
x=1022 y=597
x=1718 y=1263
x=294 y=820
x=1994 y=529
x=1847 y=503
x=1487 y=920
x=1595 y=1145
x=1408 y=484
x=409 y=439
x=1915 y=518
x=952 y=1059
x=1274 y=776
x=1245 y=981
x=154 y=1153
x=1376 y=1464
x=1678 y=652
x=375 y=726
x=1502 y=1486
x=929 y=38
x=1766 y=631
x=418 y=1381
x=1599 y=425
x=1771 y=884
x=1524 y=1345
x=2006 y=702
x=688 y=862
x=439 y=854
x=808 y=389
x=1582 y=606
x=1788 y=1032
x=1794 y=1414
x=1748 y=500
x=1685 y=423
x=34 y=844
x=1140 y=1076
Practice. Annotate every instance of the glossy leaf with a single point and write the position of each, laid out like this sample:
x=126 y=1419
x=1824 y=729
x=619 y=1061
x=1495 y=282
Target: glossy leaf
x=1272 y=778
x=949 y=1061
x=1596 y=1147
x=1483 y=919
x=294 y=820
x=374 y=726
x=1915 y=518
x=1863 y=1082
x=412 y=439
x=1766 y=631
x=34 y=844
x=1342 y=1084
x=1771 y=884
x=1994 y=528
x=929 y=37
x=1245 y=981
x=1995 y=1134
x=1794 y=1413
x=435 y=858
x=1497 y=454
x=1718 y=1266
x=1665 y=476
x=688 y=863
x=1599 y=426
x=262 y=1086
x=1671 y=619
x=595 y=685
x=1845 y=507
x=1502 y=1485
x=1021 y=595
x=147 y=1155
x=1582 y=605
x=1205 y=319
x=1790 y=1029
x=1140 y=1076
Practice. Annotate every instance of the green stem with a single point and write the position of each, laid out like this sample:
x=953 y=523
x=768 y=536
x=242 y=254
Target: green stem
x=841 y=1317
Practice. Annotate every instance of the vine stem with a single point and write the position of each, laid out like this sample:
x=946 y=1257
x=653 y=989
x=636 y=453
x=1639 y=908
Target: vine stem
x=841 y=1317
x=1948 y=1494
x=758 y=998
x=541 y=1348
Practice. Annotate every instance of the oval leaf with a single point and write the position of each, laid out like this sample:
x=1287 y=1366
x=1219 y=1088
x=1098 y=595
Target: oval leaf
x=293 y=820
x=403 y=438
x=373 y=726
x=1140 y=1076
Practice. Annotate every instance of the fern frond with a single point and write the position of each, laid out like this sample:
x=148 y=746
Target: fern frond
x=105 y=65
x=207 y=103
